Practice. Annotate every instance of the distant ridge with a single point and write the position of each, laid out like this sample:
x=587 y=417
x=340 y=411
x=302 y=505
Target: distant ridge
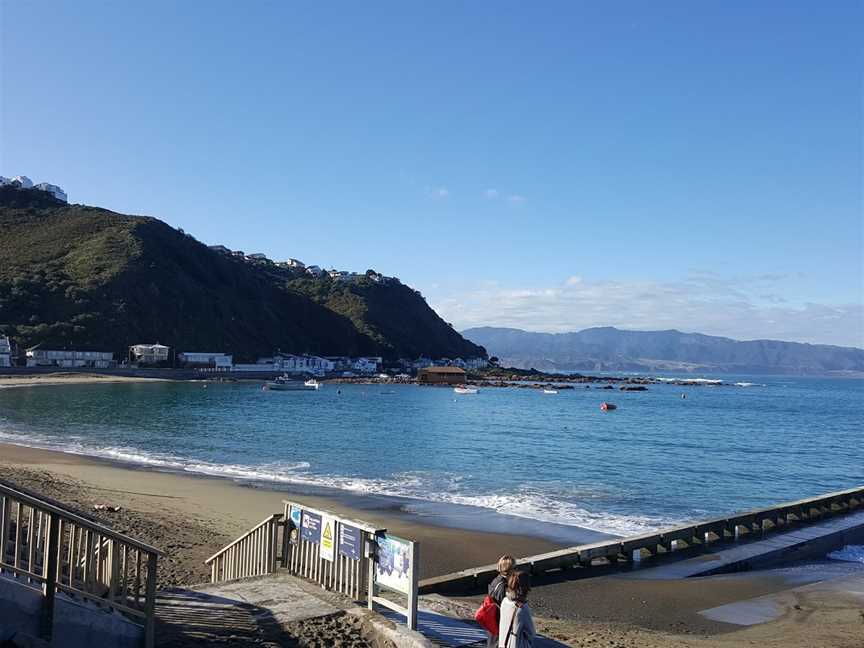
x=612 y=349
x=80 y=277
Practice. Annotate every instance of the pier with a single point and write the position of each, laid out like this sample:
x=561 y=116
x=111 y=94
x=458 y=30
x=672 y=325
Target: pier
x=698 y=537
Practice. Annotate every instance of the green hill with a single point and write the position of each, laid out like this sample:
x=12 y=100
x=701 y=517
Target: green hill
x=73 y=276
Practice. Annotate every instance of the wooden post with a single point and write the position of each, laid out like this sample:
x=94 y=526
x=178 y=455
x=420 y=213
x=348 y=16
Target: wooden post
x=371 y=547
x=49 y=572
x=150 y=603
x=4 y=527
x=414 y=586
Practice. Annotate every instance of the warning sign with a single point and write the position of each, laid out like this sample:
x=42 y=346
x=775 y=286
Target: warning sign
x=328 y=537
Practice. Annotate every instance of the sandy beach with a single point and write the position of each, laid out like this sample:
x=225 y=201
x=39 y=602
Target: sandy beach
x=190 y=517
x=68 y=378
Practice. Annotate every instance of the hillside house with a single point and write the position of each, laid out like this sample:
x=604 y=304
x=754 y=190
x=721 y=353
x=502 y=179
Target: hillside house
x=37 y=357
x=5 y=352
x=314 y=270
x=441 y=376
x=239 y=253
x=206 y=360
x=54 y=190
x=258 y=257
x=293 y=263
x=149 y=354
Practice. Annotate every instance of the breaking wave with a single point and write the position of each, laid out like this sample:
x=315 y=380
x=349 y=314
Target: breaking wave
x=530 y=502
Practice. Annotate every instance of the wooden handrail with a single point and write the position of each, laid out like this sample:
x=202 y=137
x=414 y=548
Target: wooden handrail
x=38 y=503
x=274 y=516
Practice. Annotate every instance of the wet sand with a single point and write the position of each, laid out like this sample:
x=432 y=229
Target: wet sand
x=191 y=517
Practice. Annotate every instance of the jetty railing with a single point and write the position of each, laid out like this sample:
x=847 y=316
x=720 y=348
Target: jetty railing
x=637 y=548
x=48 y=547
x=254 y=553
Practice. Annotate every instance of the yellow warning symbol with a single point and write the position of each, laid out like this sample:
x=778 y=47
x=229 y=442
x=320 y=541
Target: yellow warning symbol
x=328 y=537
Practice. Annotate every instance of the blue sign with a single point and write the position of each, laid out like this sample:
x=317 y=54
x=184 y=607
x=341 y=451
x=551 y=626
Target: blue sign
x=310 y=528
x=296 y=516
x=349 y=541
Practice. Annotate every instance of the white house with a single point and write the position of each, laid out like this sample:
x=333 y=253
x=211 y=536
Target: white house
x=203 y=359
x=293 y=263
x=22 y=181
x=149 y=354
x=314 y=270
x=366 y=365
x=37 y=357
x=304 y=364
x=5 y=352
x=54 y=190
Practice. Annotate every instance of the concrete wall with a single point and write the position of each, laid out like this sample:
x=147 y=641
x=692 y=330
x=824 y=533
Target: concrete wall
x=76 y=624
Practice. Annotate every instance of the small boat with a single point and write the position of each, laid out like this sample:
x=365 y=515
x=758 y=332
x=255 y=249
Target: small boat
x=549 y=390
x=465 y=390
x=287 y=383
x=312 y=384
x=608 y=407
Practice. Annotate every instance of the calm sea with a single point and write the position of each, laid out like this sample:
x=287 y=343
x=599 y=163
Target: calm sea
x=657 y=459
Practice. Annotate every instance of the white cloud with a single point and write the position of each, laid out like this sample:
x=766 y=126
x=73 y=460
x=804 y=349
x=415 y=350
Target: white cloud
x=437 y=192
x=491 y=194
x=515 y=199
x=741 y=308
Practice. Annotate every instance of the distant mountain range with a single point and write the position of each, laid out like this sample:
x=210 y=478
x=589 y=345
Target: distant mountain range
x=611 y=349
x=79 y=277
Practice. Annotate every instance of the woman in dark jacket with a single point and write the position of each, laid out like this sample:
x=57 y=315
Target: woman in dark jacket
x=498 y=589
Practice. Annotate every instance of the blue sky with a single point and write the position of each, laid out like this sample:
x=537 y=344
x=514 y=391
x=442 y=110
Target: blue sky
x=553 y=166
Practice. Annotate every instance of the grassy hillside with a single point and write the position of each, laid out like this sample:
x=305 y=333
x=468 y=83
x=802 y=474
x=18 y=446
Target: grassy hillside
x=73 y=276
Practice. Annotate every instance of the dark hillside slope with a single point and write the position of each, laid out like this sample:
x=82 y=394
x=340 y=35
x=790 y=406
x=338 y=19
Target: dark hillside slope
x=73 y=276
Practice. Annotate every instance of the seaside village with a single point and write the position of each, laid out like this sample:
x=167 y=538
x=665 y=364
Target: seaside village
x=161 y=356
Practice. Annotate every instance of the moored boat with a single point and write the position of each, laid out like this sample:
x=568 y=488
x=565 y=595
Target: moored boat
x=465 y=390
x=608 y=407
x=549 y=390
x=287 y=383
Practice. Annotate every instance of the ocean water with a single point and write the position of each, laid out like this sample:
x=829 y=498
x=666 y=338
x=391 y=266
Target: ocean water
x=657 y=460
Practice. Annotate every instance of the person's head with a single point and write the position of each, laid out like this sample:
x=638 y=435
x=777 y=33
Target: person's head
x=519 y=584
x=506 y=563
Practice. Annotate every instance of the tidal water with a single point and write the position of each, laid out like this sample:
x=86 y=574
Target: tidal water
x=658 y=459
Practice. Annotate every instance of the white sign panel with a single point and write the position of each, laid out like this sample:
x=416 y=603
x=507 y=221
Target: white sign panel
x=393 y=567
x=328 y=537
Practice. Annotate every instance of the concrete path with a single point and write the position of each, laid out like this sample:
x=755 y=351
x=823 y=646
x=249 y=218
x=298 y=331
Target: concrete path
x=767 y=608
x=246 y=612
x=776 y=547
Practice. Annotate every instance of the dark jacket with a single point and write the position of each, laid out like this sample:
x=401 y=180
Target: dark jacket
x=498 y=588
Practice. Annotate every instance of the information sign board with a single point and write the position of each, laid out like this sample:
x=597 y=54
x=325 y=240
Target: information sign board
x=393 y=565
x=296 y=515
x=310 y=529
x=328 y=537
x=350 y=541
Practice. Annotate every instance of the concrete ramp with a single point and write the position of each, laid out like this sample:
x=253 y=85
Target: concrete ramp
x=245 y=612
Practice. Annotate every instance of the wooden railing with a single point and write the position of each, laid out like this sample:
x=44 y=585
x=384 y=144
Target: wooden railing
x=252 y=554
x=47 y=546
